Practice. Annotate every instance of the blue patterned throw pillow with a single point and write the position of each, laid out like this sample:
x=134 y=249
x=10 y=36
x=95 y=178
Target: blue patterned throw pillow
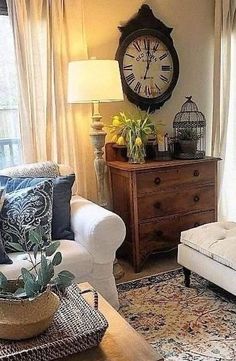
x=62 y=192
x=24 y=210
x=4 y=258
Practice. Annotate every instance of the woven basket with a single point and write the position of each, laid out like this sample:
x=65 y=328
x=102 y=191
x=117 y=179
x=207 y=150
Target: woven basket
x=21 y=319
x=76 y=327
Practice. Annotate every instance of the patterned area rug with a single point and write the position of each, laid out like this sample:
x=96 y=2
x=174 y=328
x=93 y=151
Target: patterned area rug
x=190 y=324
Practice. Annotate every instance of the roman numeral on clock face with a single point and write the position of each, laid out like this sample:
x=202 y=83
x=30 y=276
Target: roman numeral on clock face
x=164 y=79
x=165 y=68
x=131 y=56
x=128 y=67
x=130 y=78
x=136 y=46
x=147 y=90
x=163 y=56
x=137 y=87
x=146 y=43
x=148 y=71
x=155 y=46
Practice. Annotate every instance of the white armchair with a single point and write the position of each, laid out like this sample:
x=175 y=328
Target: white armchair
x=98 y=233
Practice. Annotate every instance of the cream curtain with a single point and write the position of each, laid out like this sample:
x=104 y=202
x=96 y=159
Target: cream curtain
x=47 y=34
x=224 y=106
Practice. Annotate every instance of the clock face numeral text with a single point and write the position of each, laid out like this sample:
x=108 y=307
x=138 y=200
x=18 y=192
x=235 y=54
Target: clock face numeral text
x=130 y=78
x=147 y=91
x=163 y=78
x=165 y=68
x=147 y=67
x=131 y=56
x=158 y=88
x=128 y=67
x=136 y=45
x=163 y=56
x=138 y=87
x=155 y=46
x=146 y=43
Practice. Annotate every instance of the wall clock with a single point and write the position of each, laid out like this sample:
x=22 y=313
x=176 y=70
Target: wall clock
x=148 y=61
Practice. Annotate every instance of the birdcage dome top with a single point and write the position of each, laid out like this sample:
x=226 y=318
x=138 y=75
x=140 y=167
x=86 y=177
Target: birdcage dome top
x=189 y=106
x=189 y=115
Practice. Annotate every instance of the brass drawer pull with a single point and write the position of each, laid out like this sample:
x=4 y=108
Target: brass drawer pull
x=196 y=224
x=196 y=173
x=159 y=233
x=196 y=199
x=157 y=180
x=157 y=205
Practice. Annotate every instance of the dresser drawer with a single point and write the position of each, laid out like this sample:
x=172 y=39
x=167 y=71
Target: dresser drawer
x=165 y=234
x=159 y=200
x=169 y=203
x=148 y=182
x=196 y=219
x=159 y=236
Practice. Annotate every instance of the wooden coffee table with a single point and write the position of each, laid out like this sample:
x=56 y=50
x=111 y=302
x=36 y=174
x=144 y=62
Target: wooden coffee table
x=120 y=343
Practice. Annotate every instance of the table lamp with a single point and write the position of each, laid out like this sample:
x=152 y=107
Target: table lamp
x=95 y=81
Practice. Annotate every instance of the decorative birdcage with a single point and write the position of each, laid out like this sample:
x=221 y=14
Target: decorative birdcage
x=190 y=132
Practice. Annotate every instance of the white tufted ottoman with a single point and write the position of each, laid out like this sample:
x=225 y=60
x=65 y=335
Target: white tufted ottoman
x=210 y=251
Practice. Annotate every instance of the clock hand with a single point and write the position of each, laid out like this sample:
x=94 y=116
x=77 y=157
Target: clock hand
x=148 y=50
x=148 y=60
x=147 y=67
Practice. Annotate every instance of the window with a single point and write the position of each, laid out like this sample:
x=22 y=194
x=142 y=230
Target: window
x=10 y=147
x=3 y=7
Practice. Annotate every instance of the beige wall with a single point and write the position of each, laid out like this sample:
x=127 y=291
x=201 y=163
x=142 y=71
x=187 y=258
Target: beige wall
x=193 y=26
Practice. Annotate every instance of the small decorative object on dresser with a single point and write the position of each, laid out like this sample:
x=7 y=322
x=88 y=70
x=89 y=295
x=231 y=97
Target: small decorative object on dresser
x=133 y=132
x=190 y=132
x=158 y=200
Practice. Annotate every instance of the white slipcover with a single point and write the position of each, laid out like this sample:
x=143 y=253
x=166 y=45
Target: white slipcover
x=210 y=251
x=70 y=251
x=98 y=234
x=216 y=240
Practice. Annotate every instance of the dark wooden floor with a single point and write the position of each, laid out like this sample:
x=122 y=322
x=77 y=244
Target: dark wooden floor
x=156 y=263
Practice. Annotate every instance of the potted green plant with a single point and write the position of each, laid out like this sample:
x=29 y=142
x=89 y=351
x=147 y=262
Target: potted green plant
x=132 y=132
x=28 y=304
x=188 y=139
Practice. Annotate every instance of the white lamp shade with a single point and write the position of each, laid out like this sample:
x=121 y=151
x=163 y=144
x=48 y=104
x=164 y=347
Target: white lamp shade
x=94 y=80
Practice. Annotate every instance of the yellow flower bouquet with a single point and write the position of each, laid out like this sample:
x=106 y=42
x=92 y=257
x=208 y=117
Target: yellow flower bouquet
x=132 y=132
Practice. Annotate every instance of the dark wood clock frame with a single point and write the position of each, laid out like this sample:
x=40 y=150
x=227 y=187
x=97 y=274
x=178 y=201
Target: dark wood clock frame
x=145 y=23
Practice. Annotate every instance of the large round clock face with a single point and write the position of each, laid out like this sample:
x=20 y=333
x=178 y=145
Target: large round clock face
x=147 y=66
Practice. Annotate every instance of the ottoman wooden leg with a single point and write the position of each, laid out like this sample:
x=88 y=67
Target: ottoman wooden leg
x=187 y=274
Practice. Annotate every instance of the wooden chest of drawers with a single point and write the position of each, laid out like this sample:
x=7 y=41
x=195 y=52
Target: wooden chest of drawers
x=158 y=200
